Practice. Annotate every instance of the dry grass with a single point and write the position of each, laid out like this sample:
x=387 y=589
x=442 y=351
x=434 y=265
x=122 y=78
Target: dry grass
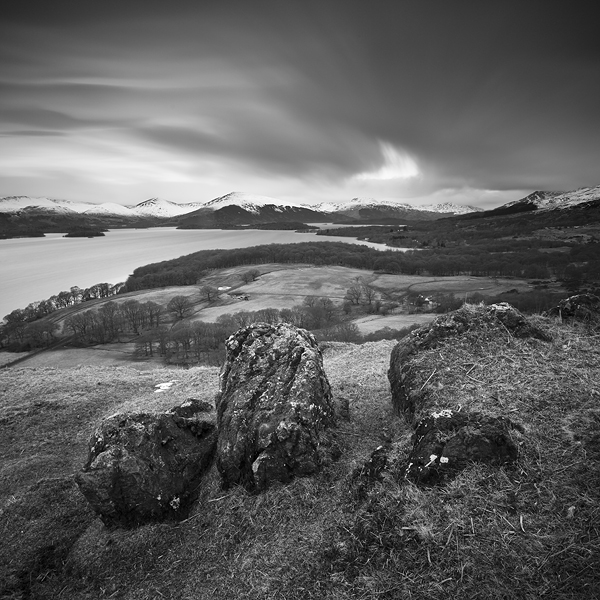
x=47 y=414
x=529 y=531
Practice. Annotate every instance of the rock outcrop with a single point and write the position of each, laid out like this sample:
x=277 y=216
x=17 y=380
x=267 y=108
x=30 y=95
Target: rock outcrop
x=447 y=438
x=496 y=319
x=582 y=307
x=273 y=406
x=445 y=442
x=144 y=467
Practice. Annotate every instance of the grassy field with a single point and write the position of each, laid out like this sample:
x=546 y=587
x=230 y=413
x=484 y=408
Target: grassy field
x=279 y=286
x=283 y=286
x=529 y=531
x=371 y=323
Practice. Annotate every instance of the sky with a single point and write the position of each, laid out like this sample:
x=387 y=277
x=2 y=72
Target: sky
x=423 y=101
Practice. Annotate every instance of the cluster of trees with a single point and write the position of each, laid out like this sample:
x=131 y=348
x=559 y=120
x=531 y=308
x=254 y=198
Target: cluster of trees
x=480 y=257
x=199 y=342
x=491 y=260
x=165 y=331
x=186 y=270
x=20 y=330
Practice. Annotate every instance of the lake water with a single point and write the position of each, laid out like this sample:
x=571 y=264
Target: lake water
x=36 y=268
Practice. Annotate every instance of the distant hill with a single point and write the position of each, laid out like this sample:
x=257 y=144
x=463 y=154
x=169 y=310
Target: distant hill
x=544 y=201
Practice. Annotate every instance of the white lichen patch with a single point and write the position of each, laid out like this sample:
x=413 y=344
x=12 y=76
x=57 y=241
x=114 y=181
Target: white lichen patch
x=446 y=412
x=432 y=459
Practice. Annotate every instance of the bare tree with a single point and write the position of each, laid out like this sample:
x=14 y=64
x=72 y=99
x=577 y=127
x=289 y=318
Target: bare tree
x=180 y=306
x=243 y=318
x=369 y=293
x=309 y=301
x=329 y=308
x=209 y=293
x=154 y=312
x=131 y=310
x=111 y=319
x=354 y=294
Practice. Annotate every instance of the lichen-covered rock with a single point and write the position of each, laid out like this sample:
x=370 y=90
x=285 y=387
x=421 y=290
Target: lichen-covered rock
x=446 y=442
x=144 y=467
x=496 y=319
x=582 y=307
x=274 y=403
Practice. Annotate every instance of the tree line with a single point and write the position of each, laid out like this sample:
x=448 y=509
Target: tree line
x=21 y=327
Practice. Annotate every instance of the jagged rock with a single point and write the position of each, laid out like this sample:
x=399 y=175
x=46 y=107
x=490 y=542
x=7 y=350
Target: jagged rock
x=446 y=442
x=582 y=307
x=144 y=468
x=273 y=405
x=496 y=319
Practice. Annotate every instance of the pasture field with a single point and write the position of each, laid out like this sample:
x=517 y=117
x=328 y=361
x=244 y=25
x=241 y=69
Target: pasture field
x=284 y=288
x=278 y=286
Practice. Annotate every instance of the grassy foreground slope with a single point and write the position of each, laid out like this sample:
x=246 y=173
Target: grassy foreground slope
x=526 y=531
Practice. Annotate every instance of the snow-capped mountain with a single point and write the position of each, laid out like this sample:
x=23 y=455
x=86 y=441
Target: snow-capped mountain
x=13 y=204
x=372 y=203
x=157 y=207
x=251 y=202
x=239 y=209
x=153 y=207
x=542 y=200
x=109 y=208
x=358 y=203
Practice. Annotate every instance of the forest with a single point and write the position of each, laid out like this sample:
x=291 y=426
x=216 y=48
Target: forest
x=575 y=264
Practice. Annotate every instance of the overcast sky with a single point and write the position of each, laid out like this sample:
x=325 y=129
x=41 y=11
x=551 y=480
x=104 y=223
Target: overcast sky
x=476 y=102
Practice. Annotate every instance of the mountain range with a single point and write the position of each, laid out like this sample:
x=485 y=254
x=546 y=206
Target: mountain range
x=21 y=214
x=160 y=208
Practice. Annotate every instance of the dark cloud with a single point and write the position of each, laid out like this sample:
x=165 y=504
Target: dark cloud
x=490 y=96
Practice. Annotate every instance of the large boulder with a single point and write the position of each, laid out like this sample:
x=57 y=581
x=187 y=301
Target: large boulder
x=273 y=405
x=145 y=467
x=496 y=320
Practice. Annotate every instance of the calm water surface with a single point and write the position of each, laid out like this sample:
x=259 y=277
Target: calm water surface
x=36 y=268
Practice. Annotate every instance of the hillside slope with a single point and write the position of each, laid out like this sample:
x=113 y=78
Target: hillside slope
x=524 y=531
